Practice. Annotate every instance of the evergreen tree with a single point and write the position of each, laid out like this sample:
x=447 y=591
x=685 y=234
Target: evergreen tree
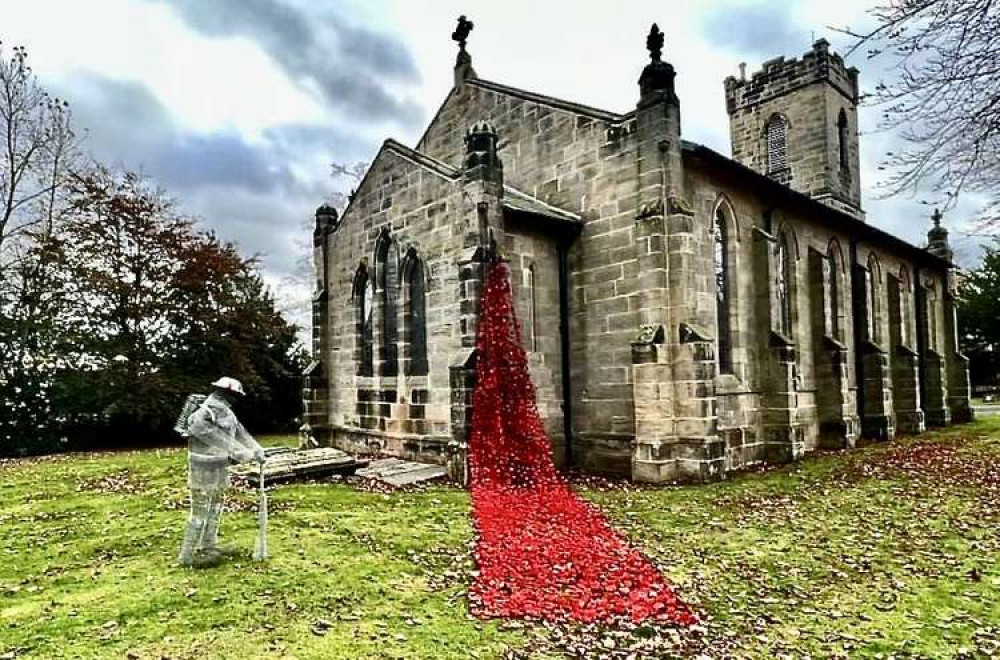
x=979 y=318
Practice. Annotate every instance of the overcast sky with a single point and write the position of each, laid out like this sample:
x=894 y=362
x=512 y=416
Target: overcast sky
x=238 y=107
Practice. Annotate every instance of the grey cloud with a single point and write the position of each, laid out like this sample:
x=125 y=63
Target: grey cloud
x=127 y=124
x=759 y=29
x=247 y=192
x=294 y=140
x=123 y=118
x=384 y=55
x=217 y=159
x=319 y=51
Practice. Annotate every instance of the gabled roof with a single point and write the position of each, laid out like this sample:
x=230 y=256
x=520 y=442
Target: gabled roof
x=514 y=200
x=577 y=108
x=758 y=180
x=418 y=158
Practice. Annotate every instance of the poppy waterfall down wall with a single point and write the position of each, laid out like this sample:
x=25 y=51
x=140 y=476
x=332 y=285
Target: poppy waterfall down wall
x=543 y=552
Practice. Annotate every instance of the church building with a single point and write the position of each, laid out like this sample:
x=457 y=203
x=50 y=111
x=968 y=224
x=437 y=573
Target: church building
x=685 y=313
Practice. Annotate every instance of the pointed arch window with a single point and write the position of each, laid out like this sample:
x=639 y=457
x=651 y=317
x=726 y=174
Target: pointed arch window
x=930 y=296
x=842 y=141
x=531 y=334
x=387 y=276
x=364 y=298
x=777 y=145
x=905 y=306
x=783 y=286
x=831 y=290
x=415 y=315
x=873 y=310
x=723 y=293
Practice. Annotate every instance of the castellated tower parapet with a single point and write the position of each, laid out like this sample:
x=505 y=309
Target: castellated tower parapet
x=797 y=122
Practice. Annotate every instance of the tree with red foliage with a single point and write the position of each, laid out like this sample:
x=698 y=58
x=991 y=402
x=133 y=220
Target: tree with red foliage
x=155 y=310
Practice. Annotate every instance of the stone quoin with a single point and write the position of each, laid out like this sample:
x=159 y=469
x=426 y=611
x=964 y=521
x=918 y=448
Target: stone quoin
x=685 y=313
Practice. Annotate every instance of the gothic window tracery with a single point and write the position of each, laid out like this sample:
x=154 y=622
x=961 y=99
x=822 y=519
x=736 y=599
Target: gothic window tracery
x=782 y=286
x=415 y=317
x=873 y=312
x=932 y=318
x=905 y=306
x=831 y=291
x=723 y=297
x=386 y=271
x=364 y=297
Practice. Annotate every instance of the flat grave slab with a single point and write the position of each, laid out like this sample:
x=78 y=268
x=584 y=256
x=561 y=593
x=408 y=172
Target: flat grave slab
x=397 y=472
x=284 y=464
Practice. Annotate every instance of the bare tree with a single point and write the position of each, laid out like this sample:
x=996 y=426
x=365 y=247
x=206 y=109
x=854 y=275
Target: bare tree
x=298 y=285
x=37 y=149
x=38 y=152
x=944 y=97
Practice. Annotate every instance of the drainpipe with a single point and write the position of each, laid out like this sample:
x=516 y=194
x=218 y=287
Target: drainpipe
x=920 y=303
x=567 y=403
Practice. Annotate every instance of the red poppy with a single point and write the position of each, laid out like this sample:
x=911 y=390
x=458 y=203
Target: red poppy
x=543 y=552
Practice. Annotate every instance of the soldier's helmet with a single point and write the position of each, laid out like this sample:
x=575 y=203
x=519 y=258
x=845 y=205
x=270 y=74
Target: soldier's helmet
x=231 y=384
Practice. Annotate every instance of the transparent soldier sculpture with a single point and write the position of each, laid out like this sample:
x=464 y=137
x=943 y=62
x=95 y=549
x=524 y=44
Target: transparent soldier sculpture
x=215 y=437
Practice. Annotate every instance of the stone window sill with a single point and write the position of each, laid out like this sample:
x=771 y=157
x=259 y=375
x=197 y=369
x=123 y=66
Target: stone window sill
x=779 y=340
x=870 y=346
x=833 y=344
x=729 y=384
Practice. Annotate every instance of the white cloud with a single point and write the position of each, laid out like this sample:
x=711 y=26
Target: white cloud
x=207 y=84
x=228 y=91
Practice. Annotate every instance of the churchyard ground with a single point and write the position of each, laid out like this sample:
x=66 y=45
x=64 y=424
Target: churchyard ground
x=888 y=551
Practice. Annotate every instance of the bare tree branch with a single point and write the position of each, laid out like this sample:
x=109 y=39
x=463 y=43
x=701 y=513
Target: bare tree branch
x=942 y=98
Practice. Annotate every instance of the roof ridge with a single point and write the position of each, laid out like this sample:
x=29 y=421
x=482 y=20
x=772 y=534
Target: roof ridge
x=553 y=101
x=420 y=158
x=851 y=222
x=535 y=200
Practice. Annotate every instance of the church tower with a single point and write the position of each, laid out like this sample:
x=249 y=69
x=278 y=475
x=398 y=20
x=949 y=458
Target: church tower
x=797 y=122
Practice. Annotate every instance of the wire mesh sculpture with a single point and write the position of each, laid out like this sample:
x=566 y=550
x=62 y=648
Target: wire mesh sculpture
x=215 y=438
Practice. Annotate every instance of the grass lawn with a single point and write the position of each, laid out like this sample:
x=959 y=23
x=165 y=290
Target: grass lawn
x=888 y=551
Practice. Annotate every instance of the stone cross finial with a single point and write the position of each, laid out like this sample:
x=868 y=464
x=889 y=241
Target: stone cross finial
x=654 y=43
x=461 y=33
x=937 y=217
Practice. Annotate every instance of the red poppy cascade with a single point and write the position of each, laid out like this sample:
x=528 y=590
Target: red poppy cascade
x=542 y=551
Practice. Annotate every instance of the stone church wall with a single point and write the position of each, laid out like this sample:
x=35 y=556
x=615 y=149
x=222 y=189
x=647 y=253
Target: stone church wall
x=533 y=260
x=585 y=164
x=832 y=340
x=423 y=212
